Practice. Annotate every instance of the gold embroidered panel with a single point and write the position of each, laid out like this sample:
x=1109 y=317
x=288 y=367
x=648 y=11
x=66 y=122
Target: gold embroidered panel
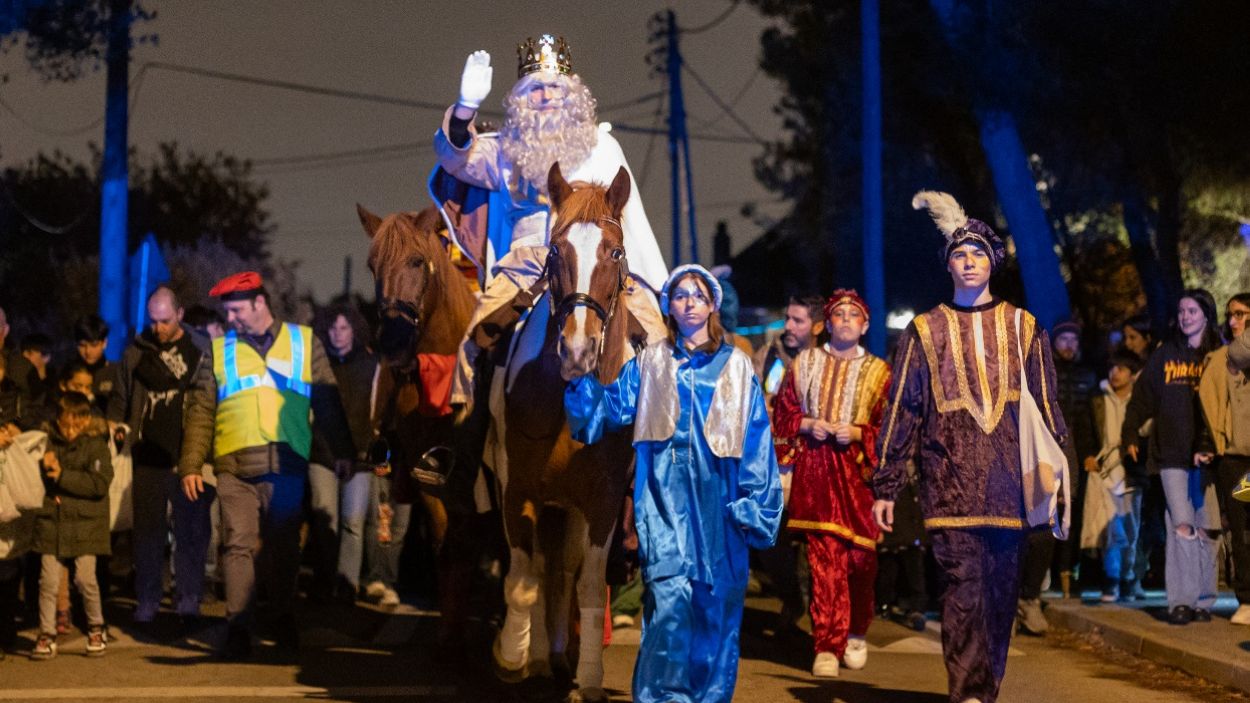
x=972 y=360
x=839 y=390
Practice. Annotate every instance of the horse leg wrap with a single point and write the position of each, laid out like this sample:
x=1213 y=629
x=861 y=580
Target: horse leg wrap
x=590 y=652
x=521 y=593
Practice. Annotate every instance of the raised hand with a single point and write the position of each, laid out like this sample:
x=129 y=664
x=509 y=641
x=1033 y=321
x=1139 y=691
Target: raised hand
x=475 y=81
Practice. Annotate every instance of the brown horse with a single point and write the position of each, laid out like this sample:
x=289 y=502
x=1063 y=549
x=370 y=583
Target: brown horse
x=584 y=328
x=424 y=304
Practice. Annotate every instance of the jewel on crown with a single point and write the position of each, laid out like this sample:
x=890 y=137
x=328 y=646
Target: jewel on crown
x=549 y=54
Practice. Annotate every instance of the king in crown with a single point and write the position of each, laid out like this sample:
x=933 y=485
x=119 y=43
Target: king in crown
x=549 y=118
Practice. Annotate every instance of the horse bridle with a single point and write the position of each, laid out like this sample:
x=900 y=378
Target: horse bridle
x=406 y=310
x=570 y=302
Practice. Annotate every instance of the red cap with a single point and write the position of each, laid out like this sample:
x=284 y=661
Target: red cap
x=845 y=296
x=244 y=284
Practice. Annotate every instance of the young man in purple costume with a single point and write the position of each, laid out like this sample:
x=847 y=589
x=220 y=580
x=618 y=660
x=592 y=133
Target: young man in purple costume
x=954 y=408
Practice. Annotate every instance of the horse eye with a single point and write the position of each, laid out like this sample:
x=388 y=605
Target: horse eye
x=416 y=262
x=618 y=254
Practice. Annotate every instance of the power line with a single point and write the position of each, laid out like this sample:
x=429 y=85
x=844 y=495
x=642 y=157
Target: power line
x=709 y=25
x=334 y=155
x=48 y=131
x=36 y=222
x=633 y=101
x=655 y=127
x=370 y=160
x=634 y=129
x=350 y=94
x=76 y=131
x=306 y=87
x=736 y=98
x=723 y=105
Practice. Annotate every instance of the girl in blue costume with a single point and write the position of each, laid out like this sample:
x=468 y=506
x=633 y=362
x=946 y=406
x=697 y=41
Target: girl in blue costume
x=706 y=488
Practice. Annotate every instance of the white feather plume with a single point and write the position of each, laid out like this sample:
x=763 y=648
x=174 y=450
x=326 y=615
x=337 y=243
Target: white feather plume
x=946 y=212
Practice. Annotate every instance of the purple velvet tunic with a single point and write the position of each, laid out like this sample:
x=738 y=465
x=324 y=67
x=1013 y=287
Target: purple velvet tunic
x=955 y=401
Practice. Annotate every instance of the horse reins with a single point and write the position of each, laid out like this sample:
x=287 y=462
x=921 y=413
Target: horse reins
x=572 y=301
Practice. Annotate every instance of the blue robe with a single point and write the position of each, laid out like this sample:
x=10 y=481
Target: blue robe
x=706 y=489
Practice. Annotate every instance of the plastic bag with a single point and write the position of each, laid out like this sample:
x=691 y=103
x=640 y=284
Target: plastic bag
x=121 y=490
x=19 y=470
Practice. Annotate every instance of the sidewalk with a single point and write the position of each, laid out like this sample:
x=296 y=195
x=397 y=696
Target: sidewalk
x=1217 y=651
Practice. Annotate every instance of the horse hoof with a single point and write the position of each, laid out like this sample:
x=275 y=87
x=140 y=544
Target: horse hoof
x=505 y=671
x=588 y=695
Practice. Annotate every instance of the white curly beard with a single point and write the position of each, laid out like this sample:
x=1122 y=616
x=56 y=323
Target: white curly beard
x=533 y=140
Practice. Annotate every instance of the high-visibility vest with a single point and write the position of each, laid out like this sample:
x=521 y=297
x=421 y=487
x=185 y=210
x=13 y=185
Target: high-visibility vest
x=260 y=401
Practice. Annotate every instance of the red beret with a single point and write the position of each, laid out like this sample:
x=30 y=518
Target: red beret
x=244 y=284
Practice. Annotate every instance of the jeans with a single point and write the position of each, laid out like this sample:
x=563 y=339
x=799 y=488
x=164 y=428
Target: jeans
x=1190 y=570
x=52 y=570
x=1119 y=554
x=157 y=493
x=339 y=510
x=384 y=558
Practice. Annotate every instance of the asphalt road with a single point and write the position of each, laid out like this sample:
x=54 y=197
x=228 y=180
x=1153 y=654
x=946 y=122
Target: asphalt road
x=363 y=654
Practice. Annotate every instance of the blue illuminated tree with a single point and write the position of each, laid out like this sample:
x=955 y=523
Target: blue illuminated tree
x=62 y=39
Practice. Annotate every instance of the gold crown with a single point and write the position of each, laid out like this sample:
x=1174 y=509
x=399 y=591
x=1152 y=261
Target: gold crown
x=548 y=54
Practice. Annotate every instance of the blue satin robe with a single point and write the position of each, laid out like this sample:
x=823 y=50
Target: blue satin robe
x=696 y=515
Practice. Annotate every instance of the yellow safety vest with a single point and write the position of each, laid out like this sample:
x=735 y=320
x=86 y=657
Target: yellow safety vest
x=260 y=401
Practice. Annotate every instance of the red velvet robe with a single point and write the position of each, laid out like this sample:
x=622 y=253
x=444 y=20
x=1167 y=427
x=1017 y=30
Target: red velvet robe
x=830 y=492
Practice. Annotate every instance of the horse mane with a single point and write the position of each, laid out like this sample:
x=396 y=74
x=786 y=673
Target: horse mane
x=587 y=203
x=449 y=301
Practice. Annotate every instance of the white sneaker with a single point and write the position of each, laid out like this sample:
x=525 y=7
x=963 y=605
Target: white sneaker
x=390 y=598
x=375 y=590
x=825 y=666
x=856 y=653
x=1242 y=616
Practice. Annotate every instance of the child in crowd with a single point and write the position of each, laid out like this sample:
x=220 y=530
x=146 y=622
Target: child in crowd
x=73 y=524
x=1113 y=497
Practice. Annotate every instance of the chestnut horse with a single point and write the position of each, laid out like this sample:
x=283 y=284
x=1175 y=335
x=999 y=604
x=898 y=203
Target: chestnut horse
x=424 y=303
x=583 y=328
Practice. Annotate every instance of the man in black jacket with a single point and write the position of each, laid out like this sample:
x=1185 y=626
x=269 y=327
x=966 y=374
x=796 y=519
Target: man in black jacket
x=149 y=399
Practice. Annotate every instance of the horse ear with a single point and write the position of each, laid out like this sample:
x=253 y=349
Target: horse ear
x=368 y=220
x=618 y=192
x=557 y=187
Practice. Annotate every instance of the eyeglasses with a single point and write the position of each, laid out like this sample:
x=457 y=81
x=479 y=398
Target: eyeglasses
x=1238 y=314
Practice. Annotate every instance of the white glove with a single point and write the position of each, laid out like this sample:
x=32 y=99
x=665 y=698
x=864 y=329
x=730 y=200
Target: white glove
x=475 y=81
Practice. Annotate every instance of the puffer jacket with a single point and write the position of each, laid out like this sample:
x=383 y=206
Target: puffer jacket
x=74 y=519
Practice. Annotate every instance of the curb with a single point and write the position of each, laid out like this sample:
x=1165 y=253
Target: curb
x=1232 y=670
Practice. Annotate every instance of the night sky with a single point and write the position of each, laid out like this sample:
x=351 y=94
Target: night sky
x=411 y=50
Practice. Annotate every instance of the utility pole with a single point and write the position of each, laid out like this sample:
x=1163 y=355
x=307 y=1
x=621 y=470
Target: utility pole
x=115 y=190
x=870 y=144
x=665 y=28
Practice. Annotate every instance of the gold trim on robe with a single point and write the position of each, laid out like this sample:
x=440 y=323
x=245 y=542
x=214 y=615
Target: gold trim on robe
x=992 y=391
